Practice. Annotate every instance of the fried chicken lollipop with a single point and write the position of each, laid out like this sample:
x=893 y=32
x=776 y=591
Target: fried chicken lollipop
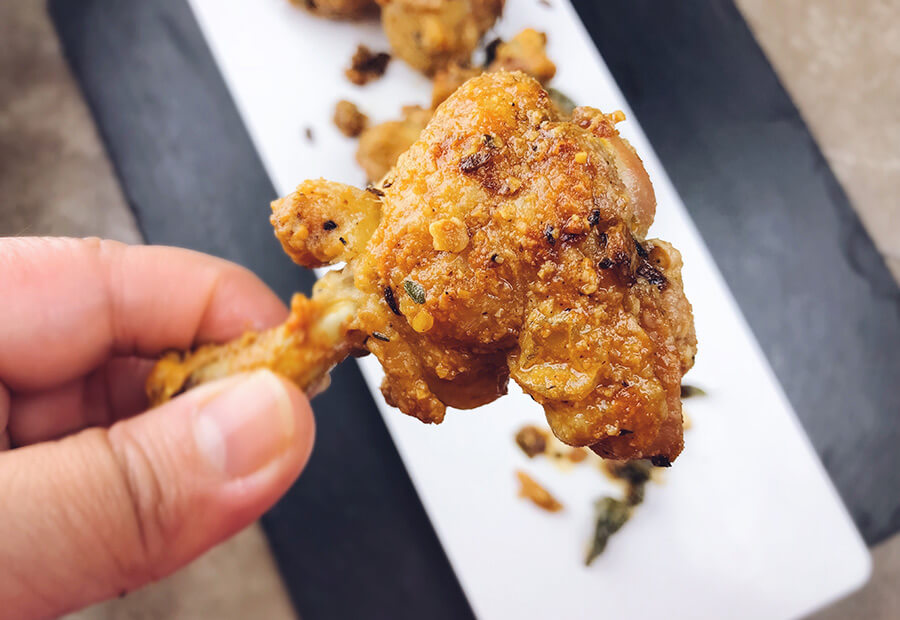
x=507 y=242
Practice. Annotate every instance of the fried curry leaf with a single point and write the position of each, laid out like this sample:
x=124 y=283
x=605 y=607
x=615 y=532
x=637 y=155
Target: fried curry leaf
x=691 y=390
x=415 y=290
x=561 y=100
x=612 y=514
x=632 y=472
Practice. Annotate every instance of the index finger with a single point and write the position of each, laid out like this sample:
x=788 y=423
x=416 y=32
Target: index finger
x=69 y=304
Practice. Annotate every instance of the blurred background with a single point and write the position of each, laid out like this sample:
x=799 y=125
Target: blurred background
x=840 y=62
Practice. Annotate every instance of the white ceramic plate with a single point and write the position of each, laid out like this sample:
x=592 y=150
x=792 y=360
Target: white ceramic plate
x=745 y=525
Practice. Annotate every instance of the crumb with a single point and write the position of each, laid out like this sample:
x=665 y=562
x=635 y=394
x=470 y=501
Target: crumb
x=367 y=66
x=532 y=440
x=449 y=235
x=349 y=119
x=309 y=134
x=545 y=3
x=577 y=455
x=490 y=51
x=533 y=491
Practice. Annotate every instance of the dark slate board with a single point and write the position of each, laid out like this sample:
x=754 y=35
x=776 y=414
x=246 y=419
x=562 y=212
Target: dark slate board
x=814 y=289
x=351 y=538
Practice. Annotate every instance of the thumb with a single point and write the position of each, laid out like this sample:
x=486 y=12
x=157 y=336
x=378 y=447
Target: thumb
x=105 y=511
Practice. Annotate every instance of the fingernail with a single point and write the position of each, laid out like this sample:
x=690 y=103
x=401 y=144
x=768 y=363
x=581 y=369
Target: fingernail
x=247 y=426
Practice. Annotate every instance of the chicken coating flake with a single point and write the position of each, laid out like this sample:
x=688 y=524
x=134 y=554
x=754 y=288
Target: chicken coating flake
x=431 y=34
x=555 y=285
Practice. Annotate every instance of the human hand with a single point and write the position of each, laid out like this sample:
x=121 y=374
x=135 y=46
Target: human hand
x=125 y=499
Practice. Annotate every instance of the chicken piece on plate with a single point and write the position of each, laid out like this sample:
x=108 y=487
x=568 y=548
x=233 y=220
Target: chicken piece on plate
x=431 y=34
x=338 y=9
x=508 y=241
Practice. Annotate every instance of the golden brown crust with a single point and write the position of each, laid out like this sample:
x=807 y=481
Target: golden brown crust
x=322 y=223
x=551 y=276
x=366 y=65
x=508 y=241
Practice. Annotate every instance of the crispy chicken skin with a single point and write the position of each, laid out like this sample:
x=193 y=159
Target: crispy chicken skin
x=508 y=241
x=430 y=34
x=338 y=9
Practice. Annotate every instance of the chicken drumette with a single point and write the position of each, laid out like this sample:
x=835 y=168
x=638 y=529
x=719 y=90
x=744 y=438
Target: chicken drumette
x=509 y=241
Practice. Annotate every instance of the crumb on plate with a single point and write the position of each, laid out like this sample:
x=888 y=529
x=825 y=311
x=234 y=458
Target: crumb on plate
x=532 y=440
x=349 y=119
x=539 y=496
x=367 y=66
